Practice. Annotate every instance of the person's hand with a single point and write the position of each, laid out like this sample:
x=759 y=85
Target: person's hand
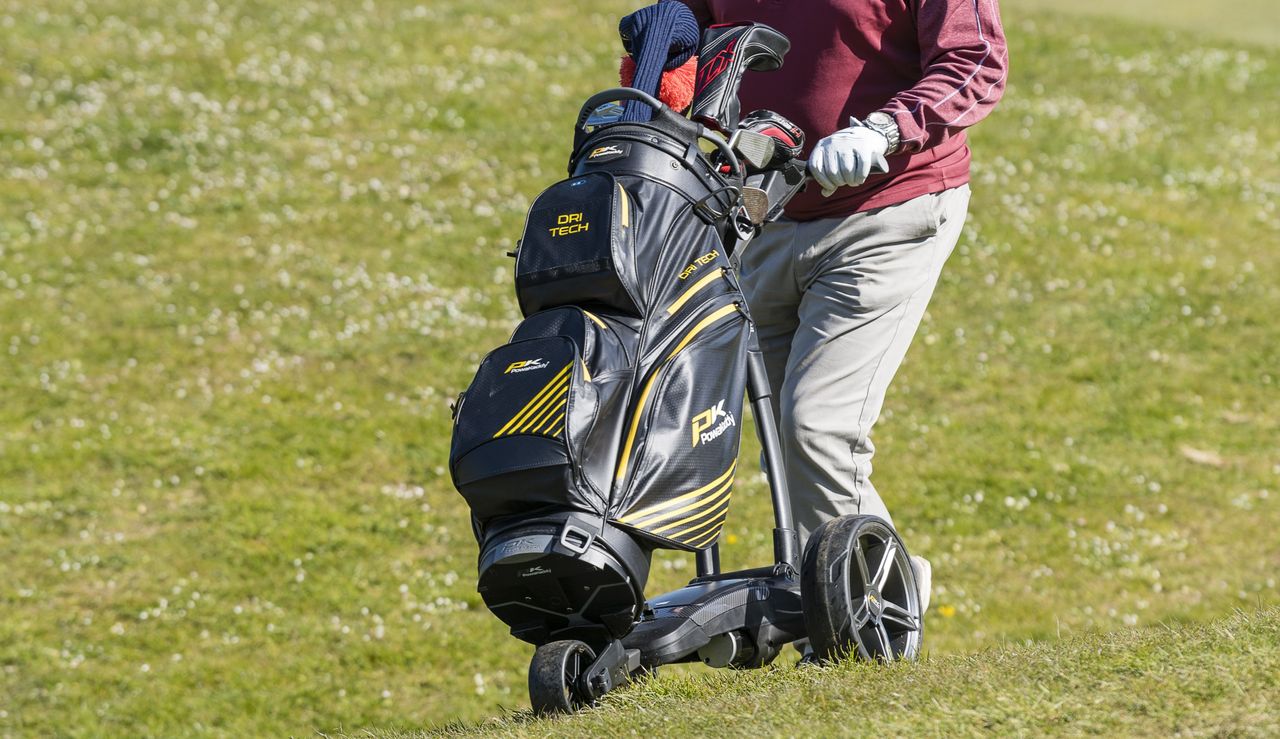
x=846 y=157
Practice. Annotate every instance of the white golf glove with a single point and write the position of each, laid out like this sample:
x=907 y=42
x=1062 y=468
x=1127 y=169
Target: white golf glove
x=846 y=157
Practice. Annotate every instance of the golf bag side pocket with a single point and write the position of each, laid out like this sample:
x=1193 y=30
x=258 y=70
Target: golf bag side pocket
x=577 y=247
x=680 y=450
x=533 y=408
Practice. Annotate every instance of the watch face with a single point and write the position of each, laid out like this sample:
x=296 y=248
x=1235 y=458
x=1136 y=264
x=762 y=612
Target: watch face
x=886 y=125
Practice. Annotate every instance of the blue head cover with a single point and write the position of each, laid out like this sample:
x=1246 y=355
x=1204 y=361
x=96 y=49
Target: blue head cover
x=658 y=37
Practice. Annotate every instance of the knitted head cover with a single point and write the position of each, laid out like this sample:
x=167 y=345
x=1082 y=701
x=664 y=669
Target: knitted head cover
x=658 y=37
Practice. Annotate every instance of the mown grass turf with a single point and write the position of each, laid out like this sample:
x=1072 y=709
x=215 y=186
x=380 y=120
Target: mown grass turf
x=1217 y=679
x=1251 y=21
x=250 y=250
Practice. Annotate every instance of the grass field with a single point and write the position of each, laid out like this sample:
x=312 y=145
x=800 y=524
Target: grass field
x=1159 y=682
x=1251 y=21
x=250 y=250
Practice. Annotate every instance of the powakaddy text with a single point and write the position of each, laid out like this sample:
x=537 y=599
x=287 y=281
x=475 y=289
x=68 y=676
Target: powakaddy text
x=526 y=365
x=715 y=416
x=608 y=153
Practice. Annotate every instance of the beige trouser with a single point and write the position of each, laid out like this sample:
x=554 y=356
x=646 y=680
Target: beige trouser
x=836 y=303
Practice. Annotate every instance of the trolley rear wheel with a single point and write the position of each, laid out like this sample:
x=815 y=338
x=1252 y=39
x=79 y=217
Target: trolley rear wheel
x=859 y=592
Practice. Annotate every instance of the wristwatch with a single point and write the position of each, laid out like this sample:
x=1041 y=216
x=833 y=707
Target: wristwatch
x=883 y=124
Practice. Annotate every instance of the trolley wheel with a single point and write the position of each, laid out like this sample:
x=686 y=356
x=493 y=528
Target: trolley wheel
x=859 y=592
x=554 y=685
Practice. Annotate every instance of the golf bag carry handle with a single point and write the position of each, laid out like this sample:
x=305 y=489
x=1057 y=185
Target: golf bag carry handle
x=618 y=94
x=727 y=52
x=672 y=118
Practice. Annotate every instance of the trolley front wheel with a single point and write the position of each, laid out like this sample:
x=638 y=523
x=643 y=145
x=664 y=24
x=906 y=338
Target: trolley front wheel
x=555 y=684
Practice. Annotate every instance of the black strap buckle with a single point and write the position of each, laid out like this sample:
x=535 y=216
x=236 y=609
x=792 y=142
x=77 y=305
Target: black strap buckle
x=575 y=539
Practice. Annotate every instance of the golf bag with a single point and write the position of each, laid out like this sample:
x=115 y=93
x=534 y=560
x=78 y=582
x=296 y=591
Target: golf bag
x=610 y=423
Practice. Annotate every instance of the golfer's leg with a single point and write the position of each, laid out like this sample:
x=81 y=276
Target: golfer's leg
x=868 y=282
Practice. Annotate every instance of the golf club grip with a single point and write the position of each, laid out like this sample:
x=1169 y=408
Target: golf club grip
x=735 y=167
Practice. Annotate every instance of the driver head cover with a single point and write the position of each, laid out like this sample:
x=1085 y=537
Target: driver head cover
x=660 y=37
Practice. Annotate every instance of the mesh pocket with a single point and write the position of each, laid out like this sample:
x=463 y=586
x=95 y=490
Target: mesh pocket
x=577 y=247
x=509 y=450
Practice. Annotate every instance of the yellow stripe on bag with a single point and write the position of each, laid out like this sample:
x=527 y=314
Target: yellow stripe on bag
x=689 y=532
x=556 y=428
x=721 y=313
x=709 y=538
x=703 y=507
x=519 y=417
x=650 y=510
x=551 y=419
x=595 y=318
x=546 y=422
x=635 y=424
x=538 y=409
x=546 y=408
x=626 y=206
x=693 y=290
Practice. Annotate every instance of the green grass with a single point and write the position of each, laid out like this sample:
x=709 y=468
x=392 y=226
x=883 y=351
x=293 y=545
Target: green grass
x=1251 y=21
x=1217 y=679
x=250 y=250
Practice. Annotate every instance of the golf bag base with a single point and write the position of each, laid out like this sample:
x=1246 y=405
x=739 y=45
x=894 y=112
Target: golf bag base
x=563 y=576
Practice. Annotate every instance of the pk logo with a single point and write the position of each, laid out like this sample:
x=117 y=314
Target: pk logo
x=710 y=424
x=526 y=365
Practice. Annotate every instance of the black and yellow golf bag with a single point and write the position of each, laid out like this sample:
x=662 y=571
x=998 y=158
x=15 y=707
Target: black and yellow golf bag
x=609 y=424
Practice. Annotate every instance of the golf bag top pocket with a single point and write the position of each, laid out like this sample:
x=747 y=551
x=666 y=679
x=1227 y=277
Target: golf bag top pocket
x=676 y=470
x=577 y=247
x=604 y=342
x=542 y=415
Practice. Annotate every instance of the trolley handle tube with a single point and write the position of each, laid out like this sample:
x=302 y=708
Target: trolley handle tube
x=786 y=543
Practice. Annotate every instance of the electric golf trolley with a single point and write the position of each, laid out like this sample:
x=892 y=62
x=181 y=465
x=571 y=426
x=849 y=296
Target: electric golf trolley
x=609 y=425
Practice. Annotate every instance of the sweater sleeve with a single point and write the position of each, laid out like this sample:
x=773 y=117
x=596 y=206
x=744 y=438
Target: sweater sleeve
x=965 y=62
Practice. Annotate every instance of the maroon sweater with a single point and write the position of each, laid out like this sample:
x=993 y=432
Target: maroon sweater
x=937 y=66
